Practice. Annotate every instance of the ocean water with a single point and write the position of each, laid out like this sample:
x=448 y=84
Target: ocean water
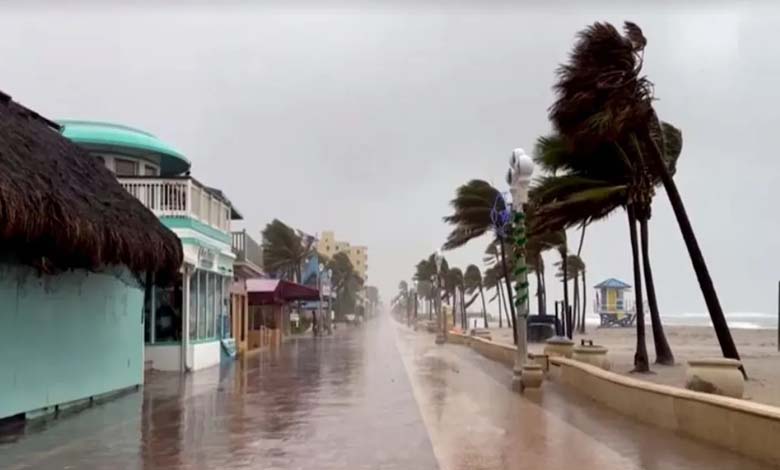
x=747 y=320
x=738 y=320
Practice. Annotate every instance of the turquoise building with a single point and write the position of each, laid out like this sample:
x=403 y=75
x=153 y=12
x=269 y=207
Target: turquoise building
x=183 y=324
x=78 y=255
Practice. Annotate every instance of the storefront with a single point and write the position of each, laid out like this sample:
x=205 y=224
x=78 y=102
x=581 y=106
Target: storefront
x=269 y=309
x=199 y=303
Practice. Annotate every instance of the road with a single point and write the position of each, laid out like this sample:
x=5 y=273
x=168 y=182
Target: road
x=372 y=397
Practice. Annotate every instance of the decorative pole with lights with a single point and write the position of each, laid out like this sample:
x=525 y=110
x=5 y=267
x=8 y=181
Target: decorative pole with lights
x=441 y=336
x=521 y=167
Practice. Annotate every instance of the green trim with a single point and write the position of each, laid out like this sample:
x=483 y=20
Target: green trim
x=198 y=226
x=114 y=137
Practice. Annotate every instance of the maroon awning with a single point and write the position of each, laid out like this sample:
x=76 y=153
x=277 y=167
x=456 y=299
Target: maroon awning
x=276 y=291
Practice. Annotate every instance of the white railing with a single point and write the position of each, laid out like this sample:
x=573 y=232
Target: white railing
x=179 y=197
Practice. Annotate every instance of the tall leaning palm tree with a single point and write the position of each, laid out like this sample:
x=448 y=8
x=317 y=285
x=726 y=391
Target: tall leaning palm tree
x=285 y=250
x=472 y=206
x=603 y=99
x=585 y=187
x=472 y=281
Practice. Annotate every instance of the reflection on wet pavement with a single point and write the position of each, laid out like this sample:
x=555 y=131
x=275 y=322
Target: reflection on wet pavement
x=342 y=402
x=353 y=402
x=477 y=423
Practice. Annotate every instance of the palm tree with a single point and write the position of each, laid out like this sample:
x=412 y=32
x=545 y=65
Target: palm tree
x=587 y=187
x=604 y=100
x=453 y=283
x=472 y=206
x=472 y=280
x=346 y=282
x=425 y=270
x=285 y=250
x=575 y=269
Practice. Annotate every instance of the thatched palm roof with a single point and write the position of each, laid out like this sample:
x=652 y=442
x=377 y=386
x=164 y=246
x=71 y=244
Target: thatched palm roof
x=61 y=209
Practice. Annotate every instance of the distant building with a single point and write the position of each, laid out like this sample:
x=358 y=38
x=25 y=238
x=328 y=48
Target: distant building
x=358 y=255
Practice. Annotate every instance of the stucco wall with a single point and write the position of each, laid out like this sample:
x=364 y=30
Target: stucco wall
x=66 y=337
x=742 y=426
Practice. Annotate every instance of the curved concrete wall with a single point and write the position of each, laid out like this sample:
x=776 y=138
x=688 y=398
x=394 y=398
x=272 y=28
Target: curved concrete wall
x=745 y=427
x=742 y=426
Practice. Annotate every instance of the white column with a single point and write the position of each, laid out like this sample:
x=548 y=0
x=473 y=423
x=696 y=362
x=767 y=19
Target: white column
x=185 y=334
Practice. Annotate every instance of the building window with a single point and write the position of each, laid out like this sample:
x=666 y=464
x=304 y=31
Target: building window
x=124 y=167
x=150 y=170
x=165 y=309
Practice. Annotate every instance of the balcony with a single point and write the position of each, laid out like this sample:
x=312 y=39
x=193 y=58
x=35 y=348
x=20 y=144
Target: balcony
x=180 y=197
x=249 y=255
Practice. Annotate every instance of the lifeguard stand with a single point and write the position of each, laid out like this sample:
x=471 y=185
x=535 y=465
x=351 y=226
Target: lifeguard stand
x=611 y=304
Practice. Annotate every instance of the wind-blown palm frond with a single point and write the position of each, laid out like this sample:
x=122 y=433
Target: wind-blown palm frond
x=284 y=251
x=471 y=215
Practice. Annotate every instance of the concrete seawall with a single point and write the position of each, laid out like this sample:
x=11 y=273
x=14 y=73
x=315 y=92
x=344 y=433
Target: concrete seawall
x=748 y=428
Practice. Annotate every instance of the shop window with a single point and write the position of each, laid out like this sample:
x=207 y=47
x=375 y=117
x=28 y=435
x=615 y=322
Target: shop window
x=167 y=305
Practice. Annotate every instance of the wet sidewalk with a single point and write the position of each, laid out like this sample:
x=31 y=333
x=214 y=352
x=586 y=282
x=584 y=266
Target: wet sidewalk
x=373 y=397
x=476 y=422
x=342 y=402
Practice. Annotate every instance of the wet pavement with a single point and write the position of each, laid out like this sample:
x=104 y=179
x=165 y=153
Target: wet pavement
x=372 y=397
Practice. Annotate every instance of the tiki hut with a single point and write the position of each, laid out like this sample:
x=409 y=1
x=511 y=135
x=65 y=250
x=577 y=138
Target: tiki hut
x=62 y=210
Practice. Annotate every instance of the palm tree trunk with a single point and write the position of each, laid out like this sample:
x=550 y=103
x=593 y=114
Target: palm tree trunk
x=566 y=313
x=544 y=286
x=641 y=363
x=584 y=302
x=505 y=269
x=500 y=309
x=727 y=346
x=463 y=318
x=663 y=353
x=576 y=282
x=484 y=306
x=539 y=294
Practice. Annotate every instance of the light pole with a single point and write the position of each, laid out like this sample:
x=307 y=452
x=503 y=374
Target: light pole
x=520 y=169
x=441 y=336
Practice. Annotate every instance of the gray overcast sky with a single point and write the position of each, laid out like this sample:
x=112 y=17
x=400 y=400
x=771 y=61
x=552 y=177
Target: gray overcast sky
x=365 y=119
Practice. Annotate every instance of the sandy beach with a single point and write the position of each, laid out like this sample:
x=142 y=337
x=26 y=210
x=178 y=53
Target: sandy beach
x=758 y=349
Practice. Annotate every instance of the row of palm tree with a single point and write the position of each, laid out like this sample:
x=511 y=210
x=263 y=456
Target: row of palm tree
x=609 y=150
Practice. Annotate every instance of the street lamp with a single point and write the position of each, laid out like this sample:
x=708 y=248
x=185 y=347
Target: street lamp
x=521 y=167
x=441 y=336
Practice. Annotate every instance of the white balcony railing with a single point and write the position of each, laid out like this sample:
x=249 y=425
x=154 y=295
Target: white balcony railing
x=179 y=197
